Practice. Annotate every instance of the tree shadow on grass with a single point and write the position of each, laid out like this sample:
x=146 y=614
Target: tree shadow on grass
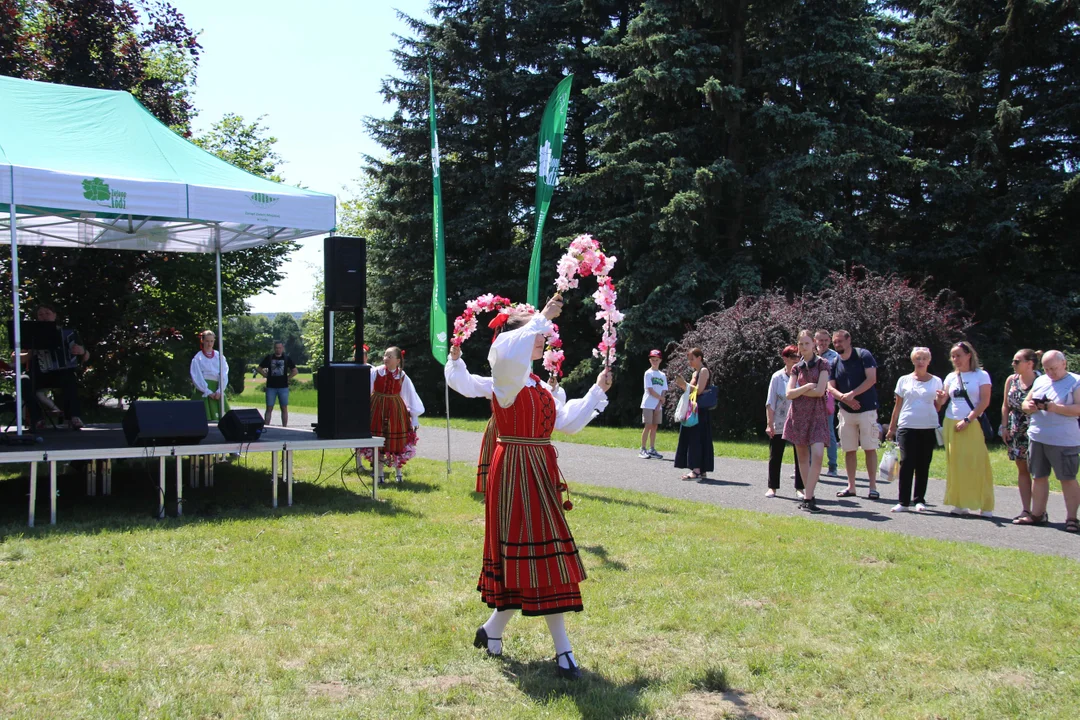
x=238 y=493
x=602 y=555
x=616 y=501
x=596 y=697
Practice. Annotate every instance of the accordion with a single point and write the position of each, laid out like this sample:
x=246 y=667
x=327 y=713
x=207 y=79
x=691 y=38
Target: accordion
x=57 y=354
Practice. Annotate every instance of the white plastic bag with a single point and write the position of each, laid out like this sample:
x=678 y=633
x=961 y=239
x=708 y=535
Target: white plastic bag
x=889 y=467
x=682 y=410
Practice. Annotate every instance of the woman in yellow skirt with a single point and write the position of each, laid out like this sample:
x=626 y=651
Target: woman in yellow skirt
x=969 y=481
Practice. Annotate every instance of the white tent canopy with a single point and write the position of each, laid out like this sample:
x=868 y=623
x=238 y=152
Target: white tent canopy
x=85 y=168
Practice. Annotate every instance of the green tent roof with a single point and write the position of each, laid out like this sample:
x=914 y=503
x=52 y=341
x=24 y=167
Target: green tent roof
x=93 y=168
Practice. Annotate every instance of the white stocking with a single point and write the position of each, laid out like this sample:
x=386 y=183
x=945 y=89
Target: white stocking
x=557 y=627
x=494 y=628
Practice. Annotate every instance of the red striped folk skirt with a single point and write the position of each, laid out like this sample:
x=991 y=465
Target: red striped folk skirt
x=390 y=420
x=487 y=450
x=531 y=561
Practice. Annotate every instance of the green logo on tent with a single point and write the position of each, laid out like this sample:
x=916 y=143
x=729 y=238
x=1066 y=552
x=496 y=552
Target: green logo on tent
x=98 y=191
x=262 y=199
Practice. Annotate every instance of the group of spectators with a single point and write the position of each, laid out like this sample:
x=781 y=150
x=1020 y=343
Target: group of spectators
x=1040 y=425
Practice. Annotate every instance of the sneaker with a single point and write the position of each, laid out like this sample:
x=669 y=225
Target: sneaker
x=655 y=455
x=957 y=511
x=920 y=507
x=770 y=493
x=898 y=508
x=987 y=513
x=644 y=454
x=810 y=506
x=832 y=473
x=800 y=494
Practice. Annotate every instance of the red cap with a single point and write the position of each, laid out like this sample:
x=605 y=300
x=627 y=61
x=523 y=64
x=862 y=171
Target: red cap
x=655 y=353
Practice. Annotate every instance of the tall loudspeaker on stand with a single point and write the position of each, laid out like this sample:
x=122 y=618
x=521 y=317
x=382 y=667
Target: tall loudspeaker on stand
x=344 y=388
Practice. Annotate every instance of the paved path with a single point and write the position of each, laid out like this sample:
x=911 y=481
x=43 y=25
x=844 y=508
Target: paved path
x=742 y=483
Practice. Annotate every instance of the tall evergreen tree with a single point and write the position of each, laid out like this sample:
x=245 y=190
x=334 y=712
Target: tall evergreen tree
x=740 y=147
x=495 y=63
x=990 y=196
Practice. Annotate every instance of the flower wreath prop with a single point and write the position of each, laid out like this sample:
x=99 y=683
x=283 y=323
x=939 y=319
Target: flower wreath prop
x=584 y=257
x=465 y=326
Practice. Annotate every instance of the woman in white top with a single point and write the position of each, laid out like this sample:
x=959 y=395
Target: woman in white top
x=210 y=375
x=914 y=425
x=395 y=410
x=969 y=481
x=530 y=559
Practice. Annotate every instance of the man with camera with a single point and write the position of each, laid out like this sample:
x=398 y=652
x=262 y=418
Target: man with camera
x=1054 y=433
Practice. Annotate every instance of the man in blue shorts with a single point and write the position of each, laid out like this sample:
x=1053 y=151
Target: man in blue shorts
x=278 y=369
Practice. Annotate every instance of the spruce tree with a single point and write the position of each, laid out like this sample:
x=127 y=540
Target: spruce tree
x=740 y=147
x=991 y=94
x=494 y=63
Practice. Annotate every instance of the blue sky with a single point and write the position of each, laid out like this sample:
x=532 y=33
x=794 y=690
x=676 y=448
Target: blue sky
x=313 y=70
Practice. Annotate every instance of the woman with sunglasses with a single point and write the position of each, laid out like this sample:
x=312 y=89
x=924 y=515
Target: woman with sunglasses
x=1014 y=422
x=969 y=480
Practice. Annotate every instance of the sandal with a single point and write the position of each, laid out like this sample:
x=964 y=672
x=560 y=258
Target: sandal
x=1017 y=520
x=845 y=493
x=75 y=423
x=1072 y=525
x=873 y=495
x=691 y=476
x=1030 y=519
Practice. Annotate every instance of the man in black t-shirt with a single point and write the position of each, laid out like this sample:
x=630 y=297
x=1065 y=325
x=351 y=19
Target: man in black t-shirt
x=278 y=369
x=853 y=386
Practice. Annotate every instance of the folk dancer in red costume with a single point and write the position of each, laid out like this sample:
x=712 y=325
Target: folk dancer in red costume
x=530 y=560
x=395 y=410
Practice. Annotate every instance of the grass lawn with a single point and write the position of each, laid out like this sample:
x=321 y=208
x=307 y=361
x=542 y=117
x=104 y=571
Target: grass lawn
x=341 y=607
x=304 y=401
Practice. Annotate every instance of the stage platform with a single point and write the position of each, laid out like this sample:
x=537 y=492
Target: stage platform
x=102 y=444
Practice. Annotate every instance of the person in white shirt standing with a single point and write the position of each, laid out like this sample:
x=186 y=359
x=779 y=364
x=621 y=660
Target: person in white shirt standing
x=777 y=407
x=210 y=374
x=652 y=406
x=969 y=479
x=914 y=425
x=1054 y=435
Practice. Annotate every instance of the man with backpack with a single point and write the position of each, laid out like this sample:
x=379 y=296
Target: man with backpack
x=853 y=387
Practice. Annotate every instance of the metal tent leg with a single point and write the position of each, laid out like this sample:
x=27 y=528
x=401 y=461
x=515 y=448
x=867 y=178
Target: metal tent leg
x=33 y=491
x=179 y=486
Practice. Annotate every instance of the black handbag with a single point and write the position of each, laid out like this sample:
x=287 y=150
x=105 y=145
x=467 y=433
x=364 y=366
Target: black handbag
x=984 y=422
x=707 y=400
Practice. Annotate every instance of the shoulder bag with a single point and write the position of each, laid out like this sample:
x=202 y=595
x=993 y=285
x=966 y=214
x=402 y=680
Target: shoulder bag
x=984 y=422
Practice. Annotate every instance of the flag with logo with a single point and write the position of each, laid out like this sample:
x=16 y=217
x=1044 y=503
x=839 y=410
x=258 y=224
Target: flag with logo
x=548 y=154
x=439 y=345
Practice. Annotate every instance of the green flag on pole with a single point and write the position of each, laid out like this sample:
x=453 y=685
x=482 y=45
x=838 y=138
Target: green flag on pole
x=548 y=154
x=439 y=345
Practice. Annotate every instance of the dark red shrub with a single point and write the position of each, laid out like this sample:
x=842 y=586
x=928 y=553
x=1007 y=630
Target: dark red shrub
x=884 y=314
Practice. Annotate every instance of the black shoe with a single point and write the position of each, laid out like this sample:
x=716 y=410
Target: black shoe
x=810 y=506
x=567 y=673
x=481 y=641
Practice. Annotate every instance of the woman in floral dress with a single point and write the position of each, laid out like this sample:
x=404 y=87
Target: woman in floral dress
x=1014 y=421
x=807 y=425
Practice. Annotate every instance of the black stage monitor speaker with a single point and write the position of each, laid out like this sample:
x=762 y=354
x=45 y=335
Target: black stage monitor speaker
x=345 y=272
x=241 y=426
x=165 y=422
x=344 y=401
